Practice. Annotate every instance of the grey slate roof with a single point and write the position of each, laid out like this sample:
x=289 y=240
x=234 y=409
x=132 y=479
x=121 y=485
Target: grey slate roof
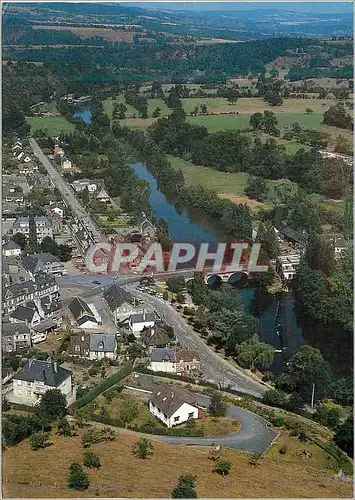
x=10 y=245
x=290 y=233
x=104 y=342
x=80 y=310
x=8 y=329
x=43 y=371
x=31 y=261
x=162 y=354
x=169 y=399
x=115 y=296
x=142 y=317
x=24 y=313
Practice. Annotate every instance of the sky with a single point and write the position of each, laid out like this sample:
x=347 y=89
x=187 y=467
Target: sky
x=336 y=6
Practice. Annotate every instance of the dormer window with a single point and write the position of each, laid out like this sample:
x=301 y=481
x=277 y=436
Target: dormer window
x=100 y=345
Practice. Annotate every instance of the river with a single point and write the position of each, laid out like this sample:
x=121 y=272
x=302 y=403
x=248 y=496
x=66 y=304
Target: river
x=278 y=322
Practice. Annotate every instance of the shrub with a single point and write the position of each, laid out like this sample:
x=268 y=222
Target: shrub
x=278 y=422
x=78 y=478
x=39 y=440
x=223 y=467
x=283 y=450
x=303 y=437
x=91 y=460
x=143 y=448
x=64 y=428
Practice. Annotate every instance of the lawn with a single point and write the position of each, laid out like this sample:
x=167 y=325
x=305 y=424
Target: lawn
x=158 y=103
x=120 y=221
x=228 y=185
x=53 y=125
x=126 y=476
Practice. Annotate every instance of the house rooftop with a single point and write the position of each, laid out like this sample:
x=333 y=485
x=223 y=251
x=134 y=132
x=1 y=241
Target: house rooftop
x=162 y=354
x=104 y=342
x=11 y=245
x=47 y=372
x=142 y=317
x=8 y=329
x=115 y=296
x=290 y=233
x=169 y=399
x=30 y=262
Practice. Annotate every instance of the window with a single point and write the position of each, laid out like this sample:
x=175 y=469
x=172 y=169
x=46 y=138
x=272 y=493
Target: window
x=176 y=419
x=153 y=405
x=19 y=382
x=191 y=415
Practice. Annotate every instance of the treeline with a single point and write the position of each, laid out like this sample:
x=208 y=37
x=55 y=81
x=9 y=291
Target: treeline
x=235 y=219
x=172 y=62
x=234 y=151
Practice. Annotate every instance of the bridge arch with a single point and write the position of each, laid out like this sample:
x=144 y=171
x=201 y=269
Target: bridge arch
x=238 y=279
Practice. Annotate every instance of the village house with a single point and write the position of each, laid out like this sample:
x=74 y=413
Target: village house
x=57 y=207
x=93 y=346
x=121 y=303
x=13 y=271
x=11 y=211
x=84 y=315
x=85 y=184
x=180 y=361
x=22 y=225
x=172 y=405
x=27 y=313
x=44 y=261
x=139 y=321
x=286 y=266
x=58 y=151
x=66 y=164
x=337 y=242
x=146 y=228
x=36 y=378
x=17 y=294
x=154 y=337
x=13 y=194
x=11 y=249
x=101 y=194
x=297 y=239
x=43 y=228
x=16 y=337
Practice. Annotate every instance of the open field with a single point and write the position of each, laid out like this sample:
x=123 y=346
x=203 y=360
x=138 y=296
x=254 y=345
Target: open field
x=52 y=124
x=124 y=475
x=83 y=32
x=158 y=103
x=228 y=185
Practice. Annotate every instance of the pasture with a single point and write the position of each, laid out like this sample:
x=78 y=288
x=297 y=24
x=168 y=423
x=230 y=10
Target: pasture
x=53 y=125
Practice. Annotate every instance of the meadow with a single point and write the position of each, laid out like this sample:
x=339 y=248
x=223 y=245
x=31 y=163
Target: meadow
x=53 y=125
x=123 y=475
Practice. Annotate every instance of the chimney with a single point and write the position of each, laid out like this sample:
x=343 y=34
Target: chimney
x=44 y=376
x=55 y=365
x=30 y=362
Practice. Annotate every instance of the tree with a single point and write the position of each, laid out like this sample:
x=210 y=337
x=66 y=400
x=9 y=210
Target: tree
x=275 y=397
x=63 y=428
x=185 y=487
x=175 y=284
x=309 y=111
x=307 y=367
x=256 y=122
x=337 y=116
x=204 y=108
x=319 y=254
x=327 y=414
x=273 y=98
x=267 y=237
x=20 y=239
x=255 y=354
x=166 y=295
x=342 y=146
x=78 y=479
x=344 y=437
x=53 y=405
x=128 y=412
x=39 y=440
x=218 y=407
x=232 y=95
x=223 y=467
x=143 y=448
x=50 y=246
x=283 y=190
x=256 y=188
x=156 y=113
x=91 y=460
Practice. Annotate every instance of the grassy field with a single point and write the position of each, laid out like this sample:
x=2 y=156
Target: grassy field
x=227 y=185
x=120 y=221
x=124 y=475
x=158 y=103
x=53 y=125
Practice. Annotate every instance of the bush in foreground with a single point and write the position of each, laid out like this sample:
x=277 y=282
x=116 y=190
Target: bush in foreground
x=78 y=478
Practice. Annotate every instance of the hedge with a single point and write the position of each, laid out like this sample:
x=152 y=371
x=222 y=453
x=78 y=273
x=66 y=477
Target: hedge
x=102 y=386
